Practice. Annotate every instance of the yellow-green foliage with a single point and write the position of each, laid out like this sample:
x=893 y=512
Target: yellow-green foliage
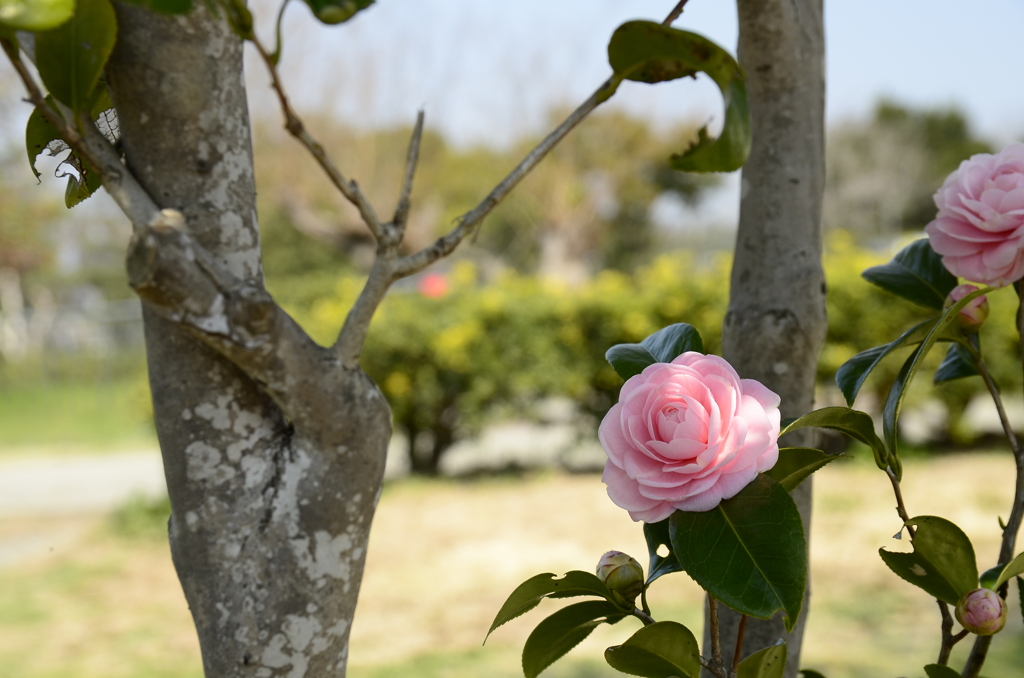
x=498 y=347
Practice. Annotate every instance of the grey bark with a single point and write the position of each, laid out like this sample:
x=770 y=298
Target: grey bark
x=273 y=450
x=776 y=323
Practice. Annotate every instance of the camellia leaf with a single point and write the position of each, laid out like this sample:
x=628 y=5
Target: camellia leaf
x=41 y=136
x=1020 y=594
x=796 y=464
x=894 y=402
x=850 y=377
x=916 y=274
x=657 y=535
x=529 y=594
x=670 y=342
x=645 y=51
x=767 y=663
x=71 y=57
x=337 y=11
x=940 y=671
x=629 y=360
x=82 y=187
x=957 y=364
x=853 y=423
x=563 y=631
x=1000 y=574
x=748 y=552
x=164 y=6
x=663 y=346
x=661 y=650
x=942 y=563
x=35 y=15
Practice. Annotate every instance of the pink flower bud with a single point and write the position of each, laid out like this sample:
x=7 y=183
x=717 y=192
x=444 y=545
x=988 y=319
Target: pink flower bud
x=974 y=313
x=981 y=611
x=623 y=576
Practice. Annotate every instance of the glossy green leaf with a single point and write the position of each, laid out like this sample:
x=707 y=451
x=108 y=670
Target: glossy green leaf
x=1020 y=594
x=629 y=359
x=853 y=423
x=80 y=189
x=529 y=594
x=1000 y=574
x=670 y=342
x=894 y=402
x=942 y=562
x=940 y=671
x=645 y=51
x=796 y=464
x=851 y=376
x=337 y=11
x=663 y=346
x=748 y=552
x=41 y=136
x=767 y=663
x=563 y=631
x=164 y=6
x=71 y=58
x=661 y=650
x=657 y=535
x=916 y=274
x=35 y=15
x=957 y=364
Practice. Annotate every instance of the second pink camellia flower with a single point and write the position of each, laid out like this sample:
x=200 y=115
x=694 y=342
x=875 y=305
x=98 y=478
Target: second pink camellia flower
x=979 y=230
x=686 y=435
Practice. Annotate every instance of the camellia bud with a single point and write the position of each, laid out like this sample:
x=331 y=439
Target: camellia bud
x=623 y=576
x=974 y=313
x=982 y=611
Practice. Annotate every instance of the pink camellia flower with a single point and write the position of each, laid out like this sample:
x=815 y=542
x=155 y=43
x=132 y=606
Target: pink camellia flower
x=973 y=315
x=979 y=230
x=981 y=611
x=686 y=435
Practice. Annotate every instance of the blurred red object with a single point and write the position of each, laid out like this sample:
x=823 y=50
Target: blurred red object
x=433 y=285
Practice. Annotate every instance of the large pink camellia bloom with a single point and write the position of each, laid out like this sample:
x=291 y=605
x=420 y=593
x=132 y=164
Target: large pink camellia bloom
x=979 y=230
x=686 y=435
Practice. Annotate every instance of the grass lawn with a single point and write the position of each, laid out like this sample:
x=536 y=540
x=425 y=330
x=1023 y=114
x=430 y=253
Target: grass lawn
x=73 y=417
x=445 y=554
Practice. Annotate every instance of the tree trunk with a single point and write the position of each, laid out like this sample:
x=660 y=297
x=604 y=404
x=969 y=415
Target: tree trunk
x=273 y=449
x=776 y=322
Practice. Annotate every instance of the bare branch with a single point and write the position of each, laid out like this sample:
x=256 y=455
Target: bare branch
x=357 y=323
x=445 y=245
x=348 y=188
x=88 y=143
x=674 y=14
x=412 y=158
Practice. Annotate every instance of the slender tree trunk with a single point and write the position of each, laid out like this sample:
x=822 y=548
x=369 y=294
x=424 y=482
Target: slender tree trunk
x=776 y=322
x=273 y=450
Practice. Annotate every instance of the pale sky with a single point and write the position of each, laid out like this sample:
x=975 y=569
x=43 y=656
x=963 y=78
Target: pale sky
x=487 y=71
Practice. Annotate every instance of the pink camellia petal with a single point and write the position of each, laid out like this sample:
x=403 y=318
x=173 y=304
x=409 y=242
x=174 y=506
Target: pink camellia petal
x=981 y=208
x=686 y=435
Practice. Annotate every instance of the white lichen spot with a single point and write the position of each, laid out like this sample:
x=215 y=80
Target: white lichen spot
x=338 y=629
x=918 y=570
x=191 y=519
x=186 y=414
x=311 y=608
x=219 y=413
x=225 y=614
x=330 y=556
x=255 y=470
x=264 y=673
x=780 y=368
x=143 y=118
x=295 y=646
x=215 y=319
x=202 y=462
x=232 y=549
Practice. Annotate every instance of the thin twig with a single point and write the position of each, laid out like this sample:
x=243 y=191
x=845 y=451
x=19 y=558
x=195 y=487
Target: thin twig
x=949 y=639
x=716 y=634
x=901 y=508
x=295 y=126
x=674 y=14
x=412 y=158
x=642 y=616
x=1009 y=542
x=739 y=644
